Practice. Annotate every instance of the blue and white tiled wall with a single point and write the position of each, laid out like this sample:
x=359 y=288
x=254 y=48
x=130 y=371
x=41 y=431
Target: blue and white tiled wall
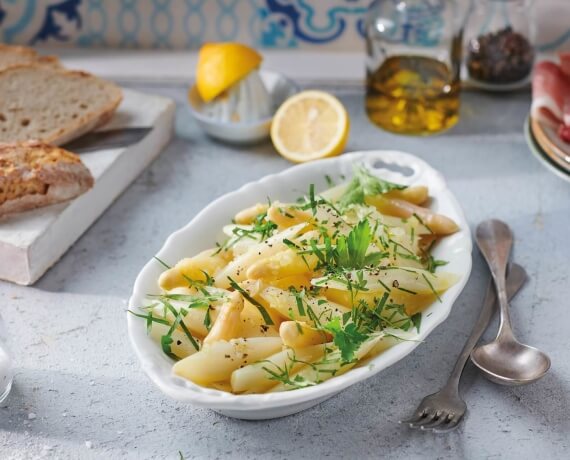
x=281 y=24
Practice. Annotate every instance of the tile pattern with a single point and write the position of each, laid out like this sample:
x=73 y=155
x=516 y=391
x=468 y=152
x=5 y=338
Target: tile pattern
x=274 y=24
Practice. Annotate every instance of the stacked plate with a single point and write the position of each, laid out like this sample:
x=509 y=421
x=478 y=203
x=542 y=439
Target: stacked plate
x=548 y=148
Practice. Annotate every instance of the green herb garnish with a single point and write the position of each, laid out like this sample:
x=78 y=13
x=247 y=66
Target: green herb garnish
x=250 y=299
x=364 y=184
x=150 y=319
x=351 y=250
x=260 y=230
x=431 y=286
x=161 y=262
x=417 y=320
x=346 y=337
x=283 y=375
x=432 y=263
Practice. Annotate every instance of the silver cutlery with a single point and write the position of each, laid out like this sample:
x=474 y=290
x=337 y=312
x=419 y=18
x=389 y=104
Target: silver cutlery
x=442 y=411
x=505 y=360
x=110 y=139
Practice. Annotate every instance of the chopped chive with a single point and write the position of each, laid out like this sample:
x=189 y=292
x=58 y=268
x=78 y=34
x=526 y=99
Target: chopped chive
x=422 y=222
x=381 y=304
x=431 y=286
x=299 y=301
x=290 y=244
x=312 y=198
x=406 y=290
x=164 y=264
x=434 y=263
x=208 y=319
x=149 y=319
x=261 y=308
x=179 y=321
x=384 y=285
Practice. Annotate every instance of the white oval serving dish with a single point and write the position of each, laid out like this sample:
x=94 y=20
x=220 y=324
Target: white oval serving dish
x=287 y=186
x=279 y=87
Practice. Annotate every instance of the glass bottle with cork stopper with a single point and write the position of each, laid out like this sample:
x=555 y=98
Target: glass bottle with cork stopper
x=413 y=64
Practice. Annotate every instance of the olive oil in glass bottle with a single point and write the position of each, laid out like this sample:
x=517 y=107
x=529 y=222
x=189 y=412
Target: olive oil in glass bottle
x=413 y=65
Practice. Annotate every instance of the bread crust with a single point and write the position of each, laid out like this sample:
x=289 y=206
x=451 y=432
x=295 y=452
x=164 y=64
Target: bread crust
x=28 y=54
x=50 y=61
x=85 y=123
x=34 y=174
x=17 y=49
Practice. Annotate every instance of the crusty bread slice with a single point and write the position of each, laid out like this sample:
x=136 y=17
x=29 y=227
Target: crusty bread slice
x=53 y=105
x=33 y=174
x=18 y=55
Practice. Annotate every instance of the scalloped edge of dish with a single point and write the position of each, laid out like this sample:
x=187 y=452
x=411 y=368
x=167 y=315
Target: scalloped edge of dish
x=457 y=248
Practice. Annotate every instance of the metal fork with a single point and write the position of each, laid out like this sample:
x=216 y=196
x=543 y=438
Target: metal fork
x=442 y=411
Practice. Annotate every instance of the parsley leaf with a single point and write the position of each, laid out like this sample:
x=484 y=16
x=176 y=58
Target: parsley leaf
x=347 y=338
x=350 y=251
x=365 y=184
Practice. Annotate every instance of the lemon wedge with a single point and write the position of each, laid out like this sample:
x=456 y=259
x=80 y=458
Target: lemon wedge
x=310 y=125
x=221 y=65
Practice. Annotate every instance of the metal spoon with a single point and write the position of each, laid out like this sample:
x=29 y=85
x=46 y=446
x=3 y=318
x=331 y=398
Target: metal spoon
x=442 y=411
x=505 y=360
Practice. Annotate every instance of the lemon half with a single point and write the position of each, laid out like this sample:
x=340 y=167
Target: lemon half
x=221 y=65
x=310 y=125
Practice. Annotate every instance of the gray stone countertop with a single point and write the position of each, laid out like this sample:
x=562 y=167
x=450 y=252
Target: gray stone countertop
x=77 y=374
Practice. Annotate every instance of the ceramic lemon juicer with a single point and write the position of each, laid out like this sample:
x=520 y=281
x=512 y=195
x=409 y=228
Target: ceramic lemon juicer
x=232 y=99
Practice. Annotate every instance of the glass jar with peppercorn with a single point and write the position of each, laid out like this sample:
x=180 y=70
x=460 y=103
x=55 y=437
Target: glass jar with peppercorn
x=500 y=43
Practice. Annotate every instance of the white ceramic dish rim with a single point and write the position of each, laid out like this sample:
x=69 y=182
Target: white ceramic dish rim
x=186 y=391
x=537 y=152
x=295 y=88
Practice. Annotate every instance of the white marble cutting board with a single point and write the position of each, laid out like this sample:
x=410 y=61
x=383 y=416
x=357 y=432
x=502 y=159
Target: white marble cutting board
x=30 y=243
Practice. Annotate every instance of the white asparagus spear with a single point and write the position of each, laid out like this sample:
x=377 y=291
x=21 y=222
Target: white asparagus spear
x=215 y=362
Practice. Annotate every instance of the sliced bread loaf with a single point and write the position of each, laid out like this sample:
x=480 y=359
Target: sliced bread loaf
x=53 y=105
x=18 y=55
x=33 y=175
